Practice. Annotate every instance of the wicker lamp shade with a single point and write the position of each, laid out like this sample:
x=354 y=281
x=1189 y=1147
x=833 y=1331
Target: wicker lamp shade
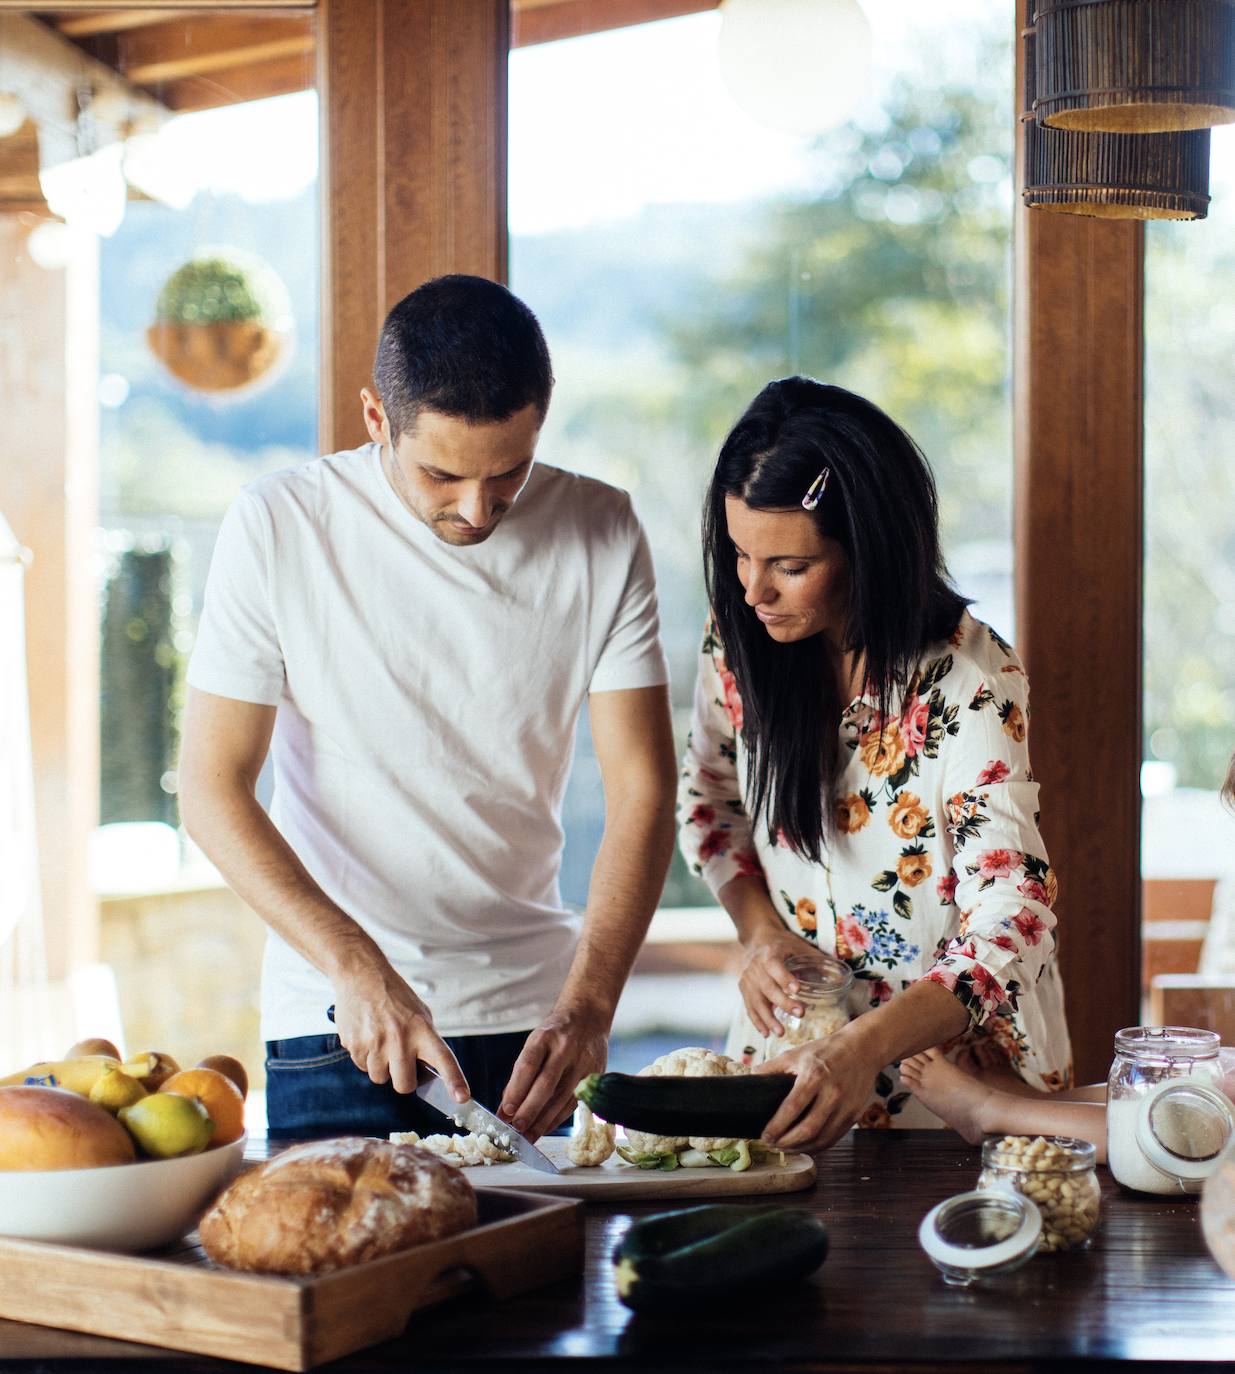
x=1135 y=66
x=1117 y=176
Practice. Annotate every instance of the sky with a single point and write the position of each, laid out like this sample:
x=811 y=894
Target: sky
x=602 y=126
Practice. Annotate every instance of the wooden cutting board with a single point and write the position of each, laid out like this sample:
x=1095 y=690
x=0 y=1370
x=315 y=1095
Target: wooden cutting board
x=617 y=1179
x=178 y=1298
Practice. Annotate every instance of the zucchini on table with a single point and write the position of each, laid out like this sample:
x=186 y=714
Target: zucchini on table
x=666 y=1263
x=737 y=1105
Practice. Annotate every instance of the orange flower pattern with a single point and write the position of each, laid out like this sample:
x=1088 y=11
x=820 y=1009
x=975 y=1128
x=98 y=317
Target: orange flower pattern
x=934 y=868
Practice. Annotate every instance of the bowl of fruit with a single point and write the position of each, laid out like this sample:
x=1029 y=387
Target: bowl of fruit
x=117 y=1154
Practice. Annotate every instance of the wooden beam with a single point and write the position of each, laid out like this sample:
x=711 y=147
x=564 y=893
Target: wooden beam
x=281 y=77
x=545 y=21
x=47 y=69
x=413 y=145
x=91 y=25
x=190 y=45
x=226 y=56
x=49 y=363
x=1078 y=303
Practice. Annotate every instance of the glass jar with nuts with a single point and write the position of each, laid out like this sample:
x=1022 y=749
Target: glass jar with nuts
x=1055 y=1172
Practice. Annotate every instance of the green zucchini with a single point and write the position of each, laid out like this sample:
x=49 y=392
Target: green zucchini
x=668 y=1262
x=737 y=1106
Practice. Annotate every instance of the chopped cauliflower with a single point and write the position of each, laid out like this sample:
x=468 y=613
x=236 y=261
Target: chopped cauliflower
x=692 y=1062
x=593 y=1140
x=463 y=1151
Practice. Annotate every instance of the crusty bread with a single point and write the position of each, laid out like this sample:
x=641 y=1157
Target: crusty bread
x=52 y=1128
x=333 y=1203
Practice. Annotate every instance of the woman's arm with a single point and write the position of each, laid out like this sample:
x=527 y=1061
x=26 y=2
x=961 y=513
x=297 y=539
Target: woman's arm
x=835 y=1075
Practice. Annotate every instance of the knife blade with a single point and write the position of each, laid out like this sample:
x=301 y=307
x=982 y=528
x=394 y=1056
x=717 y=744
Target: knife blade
x=471 y=1116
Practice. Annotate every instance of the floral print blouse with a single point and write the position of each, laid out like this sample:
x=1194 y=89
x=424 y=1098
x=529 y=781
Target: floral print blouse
x=937 y=870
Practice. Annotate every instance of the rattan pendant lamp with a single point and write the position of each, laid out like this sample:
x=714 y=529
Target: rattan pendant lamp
x=1135 y=66
x=1120 y=175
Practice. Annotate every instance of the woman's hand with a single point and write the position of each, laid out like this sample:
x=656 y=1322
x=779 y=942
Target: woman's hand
x=765 y=981
x=835 y=1076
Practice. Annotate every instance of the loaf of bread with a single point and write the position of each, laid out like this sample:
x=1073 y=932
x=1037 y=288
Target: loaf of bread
x=330 y=1204
x=52 y=1128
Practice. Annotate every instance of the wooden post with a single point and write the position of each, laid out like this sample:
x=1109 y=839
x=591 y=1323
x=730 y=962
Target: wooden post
x=1078 y=342
x=49 y=332
x=413 y=173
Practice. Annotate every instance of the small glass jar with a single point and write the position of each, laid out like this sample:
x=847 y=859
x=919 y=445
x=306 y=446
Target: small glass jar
x=1167 y=1119
x=823 y=994
x=1056 y=1172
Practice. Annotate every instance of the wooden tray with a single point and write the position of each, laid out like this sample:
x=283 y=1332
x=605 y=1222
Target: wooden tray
x=615 y=1179
x=179 y=1299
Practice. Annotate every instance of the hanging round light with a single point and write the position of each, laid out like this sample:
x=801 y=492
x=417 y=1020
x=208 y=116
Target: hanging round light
x=1135 y=66
x=796 y=65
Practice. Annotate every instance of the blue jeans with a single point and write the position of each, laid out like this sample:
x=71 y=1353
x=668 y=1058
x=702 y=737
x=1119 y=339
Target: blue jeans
x=313 y=1090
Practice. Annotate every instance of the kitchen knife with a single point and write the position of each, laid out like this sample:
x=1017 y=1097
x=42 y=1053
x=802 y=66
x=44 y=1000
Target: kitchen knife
x=471 y=1116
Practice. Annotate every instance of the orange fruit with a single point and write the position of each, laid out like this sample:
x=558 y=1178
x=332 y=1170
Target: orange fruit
x=220 y=1097
x=229 y=1068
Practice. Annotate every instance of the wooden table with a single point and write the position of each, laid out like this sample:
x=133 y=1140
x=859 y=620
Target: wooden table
x=1147 y=1292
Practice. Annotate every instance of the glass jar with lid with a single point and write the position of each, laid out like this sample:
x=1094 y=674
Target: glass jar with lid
x=823 y=994
x=1167 y=1118
x=1056 y=1173
x=982 y=1235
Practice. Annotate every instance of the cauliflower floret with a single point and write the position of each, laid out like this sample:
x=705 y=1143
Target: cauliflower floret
x=593 y=1143
x=692 y=1062
x=463 y=1151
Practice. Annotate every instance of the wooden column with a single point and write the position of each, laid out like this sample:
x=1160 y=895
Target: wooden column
x=49 y=331
x=1079 y=417
x=413 y=139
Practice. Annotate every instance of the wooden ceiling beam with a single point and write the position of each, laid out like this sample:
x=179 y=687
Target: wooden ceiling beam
x=219 y=55
x=108 y=21
x=282 y=77
x=545 y=21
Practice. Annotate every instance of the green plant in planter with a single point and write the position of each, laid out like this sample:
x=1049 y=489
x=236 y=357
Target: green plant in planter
x=214 y=290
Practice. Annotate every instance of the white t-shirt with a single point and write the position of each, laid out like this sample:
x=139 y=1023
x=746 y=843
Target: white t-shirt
x=428 y=696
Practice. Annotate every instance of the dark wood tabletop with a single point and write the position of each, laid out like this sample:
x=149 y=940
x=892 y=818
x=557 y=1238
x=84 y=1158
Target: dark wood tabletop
x=1147 y=1292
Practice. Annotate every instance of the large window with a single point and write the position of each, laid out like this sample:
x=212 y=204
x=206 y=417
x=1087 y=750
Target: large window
x=1189 y=565
x=680 y=256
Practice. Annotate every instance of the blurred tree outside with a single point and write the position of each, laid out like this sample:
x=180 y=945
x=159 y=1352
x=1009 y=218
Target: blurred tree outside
x=892 y=279
x=1190 y=494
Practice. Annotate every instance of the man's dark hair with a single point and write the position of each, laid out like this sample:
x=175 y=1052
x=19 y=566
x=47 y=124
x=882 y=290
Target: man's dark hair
x=462 y=346
x=880 y=504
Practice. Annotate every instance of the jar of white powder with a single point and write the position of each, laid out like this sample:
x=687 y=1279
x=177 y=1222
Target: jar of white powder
x=823 y=994
x=1167 y=1118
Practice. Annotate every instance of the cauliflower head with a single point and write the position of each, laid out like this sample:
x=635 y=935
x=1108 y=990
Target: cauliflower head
x=593 y=1140
x=692 y=1062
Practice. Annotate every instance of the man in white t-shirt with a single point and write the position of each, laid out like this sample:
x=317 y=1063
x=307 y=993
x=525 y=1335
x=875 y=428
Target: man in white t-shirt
x=410 y=630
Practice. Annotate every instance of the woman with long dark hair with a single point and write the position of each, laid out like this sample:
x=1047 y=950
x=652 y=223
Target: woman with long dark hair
x=857 y=777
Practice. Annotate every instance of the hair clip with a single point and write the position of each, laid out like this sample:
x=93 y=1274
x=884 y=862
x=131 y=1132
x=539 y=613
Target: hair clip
x=817 y=488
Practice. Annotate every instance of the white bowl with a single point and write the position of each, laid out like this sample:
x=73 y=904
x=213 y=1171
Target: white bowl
x=119 y=1207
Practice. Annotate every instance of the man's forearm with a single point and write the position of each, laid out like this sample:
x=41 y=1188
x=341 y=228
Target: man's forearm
x=627 y=880
x=235 y=833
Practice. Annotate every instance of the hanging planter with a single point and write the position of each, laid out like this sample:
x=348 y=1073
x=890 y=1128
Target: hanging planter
x=221 y=322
